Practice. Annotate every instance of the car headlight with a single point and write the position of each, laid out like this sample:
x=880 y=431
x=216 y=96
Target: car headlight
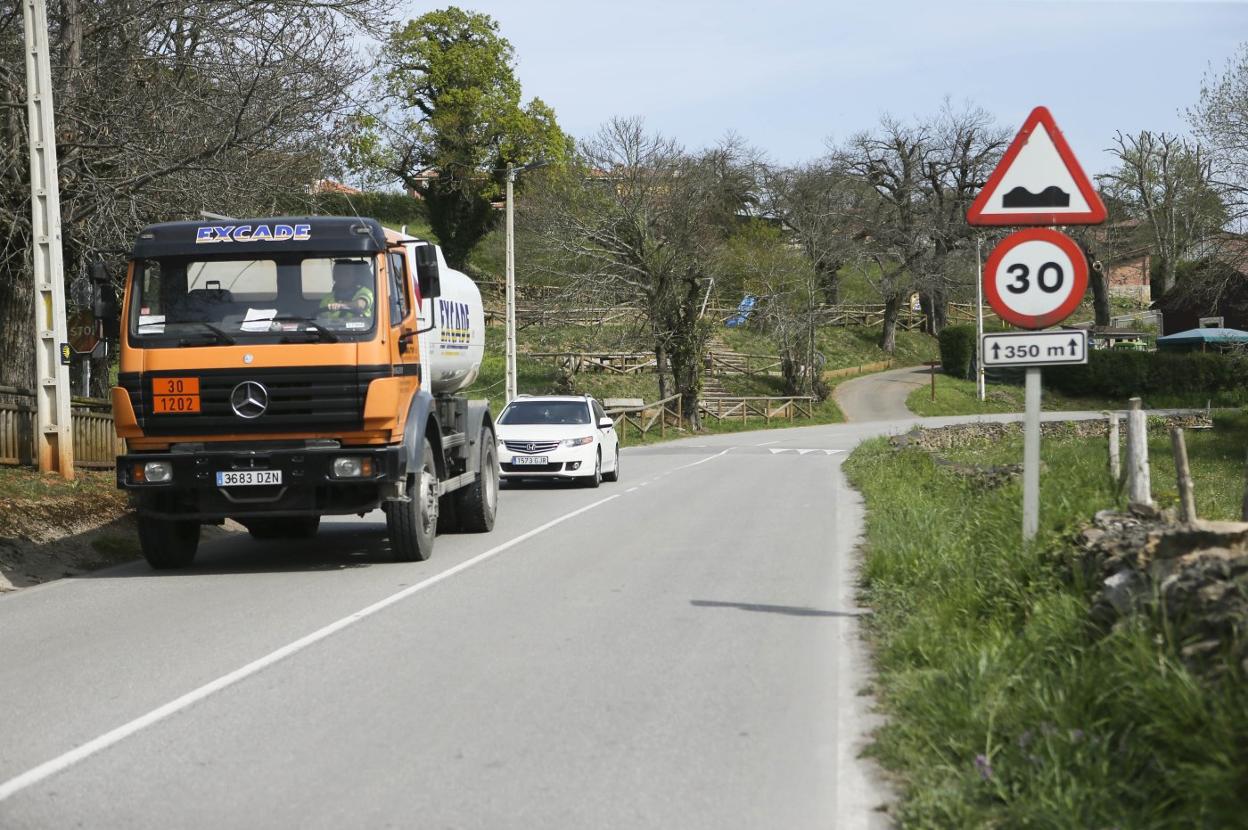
x=578 y=442
x=352 y=467
x=157 y=472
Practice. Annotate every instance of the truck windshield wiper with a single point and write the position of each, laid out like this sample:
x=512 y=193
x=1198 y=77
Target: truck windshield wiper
x=323 y=334
x=221 y=336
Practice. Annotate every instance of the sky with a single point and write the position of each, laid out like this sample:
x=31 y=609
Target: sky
x=790 y=76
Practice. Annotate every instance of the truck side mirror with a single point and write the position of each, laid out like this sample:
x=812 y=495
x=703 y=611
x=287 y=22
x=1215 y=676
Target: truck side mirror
x=427 y=278
x=104 y=304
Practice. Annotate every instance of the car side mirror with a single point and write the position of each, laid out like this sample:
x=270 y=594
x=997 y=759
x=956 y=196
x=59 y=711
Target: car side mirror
x=104 y=306
x=605 y=423
x=427 y=278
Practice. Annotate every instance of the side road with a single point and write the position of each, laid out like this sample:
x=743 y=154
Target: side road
x=880 y=396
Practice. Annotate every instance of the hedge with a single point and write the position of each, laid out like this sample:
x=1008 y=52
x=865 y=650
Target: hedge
x=957 y=351
x=1121 y=374
x=394 y=209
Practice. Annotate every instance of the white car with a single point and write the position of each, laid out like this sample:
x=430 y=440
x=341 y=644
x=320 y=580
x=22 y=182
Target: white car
x=559 y=437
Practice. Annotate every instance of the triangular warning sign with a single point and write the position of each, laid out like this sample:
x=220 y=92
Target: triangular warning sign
x=1038 y=182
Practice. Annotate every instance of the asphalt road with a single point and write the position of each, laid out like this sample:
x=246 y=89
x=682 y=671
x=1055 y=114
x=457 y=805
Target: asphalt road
x=678 y=649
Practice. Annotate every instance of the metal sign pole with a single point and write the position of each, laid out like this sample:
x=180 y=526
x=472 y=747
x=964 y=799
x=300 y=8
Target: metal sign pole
x=53 y=434
x=980 y=389
x=1031 y=456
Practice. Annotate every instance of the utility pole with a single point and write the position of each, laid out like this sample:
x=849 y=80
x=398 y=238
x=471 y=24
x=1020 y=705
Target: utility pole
x=980 y=391
x=511 y=286
x=512 y=173
x=53 y=429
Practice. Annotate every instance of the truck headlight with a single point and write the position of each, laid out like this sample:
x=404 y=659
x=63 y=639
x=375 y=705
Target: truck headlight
x=578 y=442
x=353 y=467
x=157 y=472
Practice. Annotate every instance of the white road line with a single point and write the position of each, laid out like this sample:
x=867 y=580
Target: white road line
x=630 y=489
x=703 y=461
x=62 y=762
x=767 y=443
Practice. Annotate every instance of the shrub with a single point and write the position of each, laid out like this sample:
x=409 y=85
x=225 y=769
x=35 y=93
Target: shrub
x=957 y=350
x=1115 y=374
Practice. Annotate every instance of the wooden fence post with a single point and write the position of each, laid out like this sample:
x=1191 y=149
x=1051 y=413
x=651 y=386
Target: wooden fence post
x=1139 y=485
x=1115 y=462
x=1183 y=472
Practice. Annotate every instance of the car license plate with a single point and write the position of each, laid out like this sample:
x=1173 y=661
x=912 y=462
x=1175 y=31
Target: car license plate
x=248 y=478
x=528 y=459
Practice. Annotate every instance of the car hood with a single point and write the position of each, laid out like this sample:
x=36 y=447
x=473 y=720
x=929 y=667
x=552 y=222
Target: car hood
x=543 y=432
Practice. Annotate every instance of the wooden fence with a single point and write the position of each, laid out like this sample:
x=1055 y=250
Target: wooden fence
x=737 y=363
x=616 y=363
x=645 y=417
x=850 y=371
x=96 y=445
x=742 y=409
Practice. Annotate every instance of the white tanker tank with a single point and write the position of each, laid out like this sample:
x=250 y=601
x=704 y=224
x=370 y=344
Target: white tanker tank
x=451 y=351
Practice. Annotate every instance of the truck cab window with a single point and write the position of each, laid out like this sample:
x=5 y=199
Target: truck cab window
x=396 y=266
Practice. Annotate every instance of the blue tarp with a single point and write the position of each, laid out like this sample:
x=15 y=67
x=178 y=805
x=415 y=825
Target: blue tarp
x=1209 y=335
x=743 y=312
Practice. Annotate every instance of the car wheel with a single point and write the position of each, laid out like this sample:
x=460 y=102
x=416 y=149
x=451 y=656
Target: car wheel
x=614 y=475
x=596 y=478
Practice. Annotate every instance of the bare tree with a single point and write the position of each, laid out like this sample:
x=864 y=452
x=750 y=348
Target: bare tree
x=1169 y=181
x=894 y=235
x=965 y=146
x=163 y=110
x=638 y=217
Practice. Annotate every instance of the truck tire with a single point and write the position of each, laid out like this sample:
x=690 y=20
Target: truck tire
x=477 y=504
x=291 y=527
x=168 y=543
x=412 y=524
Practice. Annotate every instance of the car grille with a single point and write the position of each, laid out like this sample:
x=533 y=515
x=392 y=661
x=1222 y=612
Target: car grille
x=531 y=447
x=300 y=399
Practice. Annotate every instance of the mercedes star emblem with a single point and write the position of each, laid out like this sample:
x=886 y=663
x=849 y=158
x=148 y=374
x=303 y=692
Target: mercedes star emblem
x=249 y=399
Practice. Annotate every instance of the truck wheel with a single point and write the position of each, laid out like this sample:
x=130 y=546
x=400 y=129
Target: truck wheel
x=614 y=475
x=477 y=504
x=596 y=478
x=168 y=543
x=412 y=524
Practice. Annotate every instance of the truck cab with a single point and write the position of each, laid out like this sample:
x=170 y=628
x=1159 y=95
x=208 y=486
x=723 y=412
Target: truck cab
x=271 y=371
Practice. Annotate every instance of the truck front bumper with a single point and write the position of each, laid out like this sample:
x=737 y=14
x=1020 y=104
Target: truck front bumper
x=308 y=485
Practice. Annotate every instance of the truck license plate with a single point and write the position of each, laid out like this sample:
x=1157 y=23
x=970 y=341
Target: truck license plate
x=248 y=478
x=528 y=459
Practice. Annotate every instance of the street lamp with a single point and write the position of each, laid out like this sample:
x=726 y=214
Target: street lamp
x=512 y=172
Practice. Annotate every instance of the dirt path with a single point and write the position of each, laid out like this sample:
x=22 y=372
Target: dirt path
x=880 y=396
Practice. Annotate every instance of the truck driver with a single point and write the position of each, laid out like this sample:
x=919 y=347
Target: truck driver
x=352 y=295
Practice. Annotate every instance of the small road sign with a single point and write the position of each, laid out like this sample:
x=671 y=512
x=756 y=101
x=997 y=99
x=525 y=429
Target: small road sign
x=1038 y=182
x=83 y=332
x=1036 y=278
x=1040 y=348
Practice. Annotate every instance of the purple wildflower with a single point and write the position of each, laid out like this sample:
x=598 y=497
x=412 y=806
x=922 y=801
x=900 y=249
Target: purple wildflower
x=984 y=767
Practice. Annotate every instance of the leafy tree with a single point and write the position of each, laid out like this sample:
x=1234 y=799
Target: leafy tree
x=451 y=121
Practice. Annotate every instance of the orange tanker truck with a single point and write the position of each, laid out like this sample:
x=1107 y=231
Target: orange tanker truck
x=274 y=371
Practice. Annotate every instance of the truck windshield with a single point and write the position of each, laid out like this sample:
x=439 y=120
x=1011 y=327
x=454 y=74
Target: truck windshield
x=184 y=301
x=546 y=412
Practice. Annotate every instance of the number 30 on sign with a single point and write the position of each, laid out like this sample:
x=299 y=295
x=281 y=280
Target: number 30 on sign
x=1036 y=278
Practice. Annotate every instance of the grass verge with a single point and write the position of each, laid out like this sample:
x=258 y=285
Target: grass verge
x=1005 y=707
x=955 y=396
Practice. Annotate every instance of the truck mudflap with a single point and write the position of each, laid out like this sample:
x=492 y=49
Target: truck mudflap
x=210 y=485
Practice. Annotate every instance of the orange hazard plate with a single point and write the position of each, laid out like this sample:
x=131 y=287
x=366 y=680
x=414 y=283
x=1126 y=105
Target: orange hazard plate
x=175 y=396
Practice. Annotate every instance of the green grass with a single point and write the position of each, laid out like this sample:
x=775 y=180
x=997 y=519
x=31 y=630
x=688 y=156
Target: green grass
x=955 y=396
x=844 y=346
x=1005 y=708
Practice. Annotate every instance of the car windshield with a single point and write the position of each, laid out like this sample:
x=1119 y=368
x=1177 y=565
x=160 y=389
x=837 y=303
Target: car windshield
x=546 y=412
x=180 y=301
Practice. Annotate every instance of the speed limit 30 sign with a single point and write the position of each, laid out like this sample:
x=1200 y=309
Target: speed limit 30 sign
x=1035 y=278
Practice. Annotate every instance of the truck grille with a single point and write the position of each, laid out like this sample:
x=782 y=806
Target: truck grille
x=531 y=447
x=311 y=399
